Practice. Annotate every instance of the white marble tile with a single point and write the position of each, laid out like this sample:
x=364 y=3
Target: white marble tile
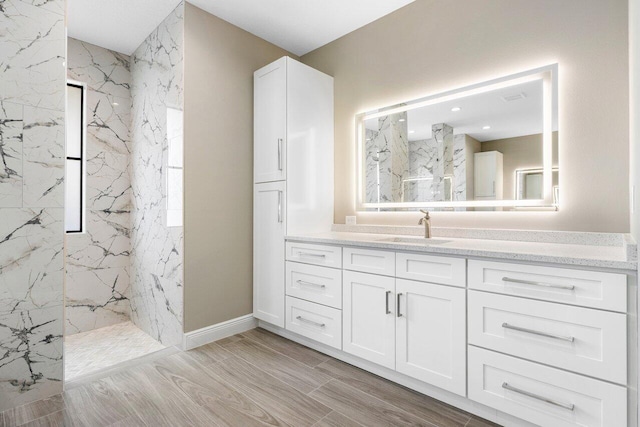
x=101 y=69
x=93 y=351
x=32 y=53
x=108 y=182
x=105 y=244
x=31 y=259
x=156 y=254
x=11 y=123
x=43 y=165
x=96 y=298
x=108 y=120
x=30 y=356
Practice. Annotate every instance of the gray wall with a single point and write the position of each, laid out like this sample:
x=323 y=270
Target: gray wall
x=219 y=63
x=431 y=46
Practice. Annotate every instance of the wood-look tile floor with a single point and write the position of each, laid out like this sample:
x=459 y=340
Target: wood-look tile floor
x=251 y=379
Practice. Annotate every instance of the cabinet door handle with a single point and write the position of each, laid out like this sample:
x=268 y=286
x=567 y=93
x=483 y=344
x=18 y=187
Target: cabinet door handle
x=569 y=406
x=279 y=154
x=534 y=332
x=398 y=306
x=310 y=322
x=386 y=301
x=532 y=283
x=312 y=255
x=493 y=192
x=279 y=206
x=302 y=282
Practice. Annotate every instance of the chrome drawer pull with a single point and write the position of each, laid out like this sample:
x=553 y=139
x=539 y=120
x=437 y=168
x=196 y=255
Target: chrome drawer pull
x=302 y=282
x=398 y=314
x=312 y=255
x=386 y=297
x=543 y=334
x=311 y=322
x=531 y=282
x=569 y=406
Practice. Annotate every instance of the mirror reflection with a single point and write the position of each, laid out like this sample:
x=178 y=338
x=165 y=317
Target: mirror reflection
x=483 y=147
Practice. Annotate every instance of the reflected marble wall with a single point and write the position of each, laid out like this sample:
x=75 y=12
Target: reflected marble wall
x=157 y=250
x=97 y=262
x=32 y=93
x=431 y=166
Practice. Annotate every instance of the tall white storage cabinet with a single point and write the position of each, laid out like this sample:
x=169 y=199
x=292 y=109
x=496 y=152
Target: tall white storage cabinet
x=293 y=172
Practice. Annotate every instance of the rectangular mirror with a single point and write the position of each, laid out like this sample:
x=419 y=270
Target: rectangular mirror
x=489 y=146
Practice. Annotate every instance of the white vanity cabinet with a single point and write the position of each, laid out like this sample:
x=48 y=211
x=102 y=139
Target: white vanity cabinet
x=550 y=345
x=293 y=172
x=415 y=328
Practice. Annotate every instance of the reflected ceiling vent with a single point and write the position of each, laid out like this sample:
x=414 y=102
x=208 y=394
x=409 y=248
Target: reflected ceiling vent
x=514 y=97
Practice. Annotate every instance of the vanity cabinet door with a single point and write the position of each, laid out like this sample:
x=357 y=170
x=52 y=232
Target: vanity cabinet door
x=268 y=252
x=368 y=316
x=270 y=122
x=430 y=334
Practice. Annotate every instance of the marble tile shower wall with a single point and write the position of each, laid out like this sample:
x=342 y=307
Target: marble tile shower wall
x=97 y=262
x=32 y=93
x=157 y=250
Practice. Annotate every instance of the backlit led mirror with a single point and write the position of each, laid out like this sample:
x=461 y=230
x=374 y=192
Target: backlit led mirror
x=489 y=146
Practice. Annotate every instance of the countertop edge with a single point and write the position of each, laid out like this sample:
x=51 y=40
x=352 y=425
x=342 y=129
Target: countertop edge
x=629 y=266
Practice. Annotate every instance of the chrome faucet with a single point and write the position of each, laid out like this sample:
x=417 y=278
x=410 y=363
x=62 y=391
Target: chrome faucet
x=427 y=224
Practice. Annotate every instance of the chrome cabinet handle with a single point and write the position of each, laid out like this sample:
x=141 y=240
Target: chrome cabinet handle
x=311 y=322
x=398 y=306
x=569 y=406
x=386 y=300
x=534 y=332
x=302 y=282
x=279 y=206
x=311 y=255
x=532 y=283
x=279 y=154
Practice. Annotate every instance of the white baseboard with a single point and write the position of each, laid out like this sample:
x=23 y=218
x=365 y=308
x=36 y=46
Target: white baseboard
x=218 y=331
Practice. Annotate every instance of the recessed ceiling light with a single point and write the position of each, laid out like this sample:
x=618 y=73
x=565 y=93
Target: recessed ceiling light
x=486 y=127
x=455 y=109
x=412 y=131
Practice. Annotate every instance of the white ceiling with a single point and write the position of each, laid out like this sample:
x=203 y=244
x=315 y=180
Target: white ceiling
x=120 y=25
x=298 y=26
x=506 y=118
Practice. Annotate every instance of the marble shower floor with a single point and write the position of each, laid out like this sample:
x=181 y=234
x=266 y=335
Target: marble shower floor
x=89 y=352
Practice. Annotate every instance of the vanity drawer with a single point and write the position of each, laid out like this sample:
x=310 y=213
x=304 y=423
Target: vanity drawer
x=369 y=261
x=433 y=269
x=309 y=253
x=578 y=287
x=542 y=395
x=584 y=340
x=321 y=285
x=314 y=321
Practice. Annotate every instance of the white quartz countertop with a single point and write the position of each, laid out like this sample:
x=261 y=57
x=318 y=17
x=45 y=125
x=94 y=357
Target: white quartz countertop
x=587 y=255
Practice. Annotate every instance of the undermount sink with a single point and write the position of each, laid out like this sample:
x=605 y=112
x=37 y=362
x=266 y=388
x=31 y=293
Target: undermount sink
x=414 y=240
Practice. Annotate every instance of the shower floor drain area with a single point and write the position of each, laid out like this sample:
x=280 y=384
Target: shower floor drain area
x=89 y=352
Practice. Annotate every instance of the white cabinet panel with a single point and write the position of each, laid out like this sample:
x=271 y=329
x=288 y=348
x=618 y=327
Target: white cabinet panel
x=578 y=287
x=270 y=122
x=369 y=261
x=315 y=321
x=591 y=342
x=430 y=334
x=321 y=285
x=542 y=395
x=268 y=252
x=433 y=269
x=309 y=253
x=369 y=317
